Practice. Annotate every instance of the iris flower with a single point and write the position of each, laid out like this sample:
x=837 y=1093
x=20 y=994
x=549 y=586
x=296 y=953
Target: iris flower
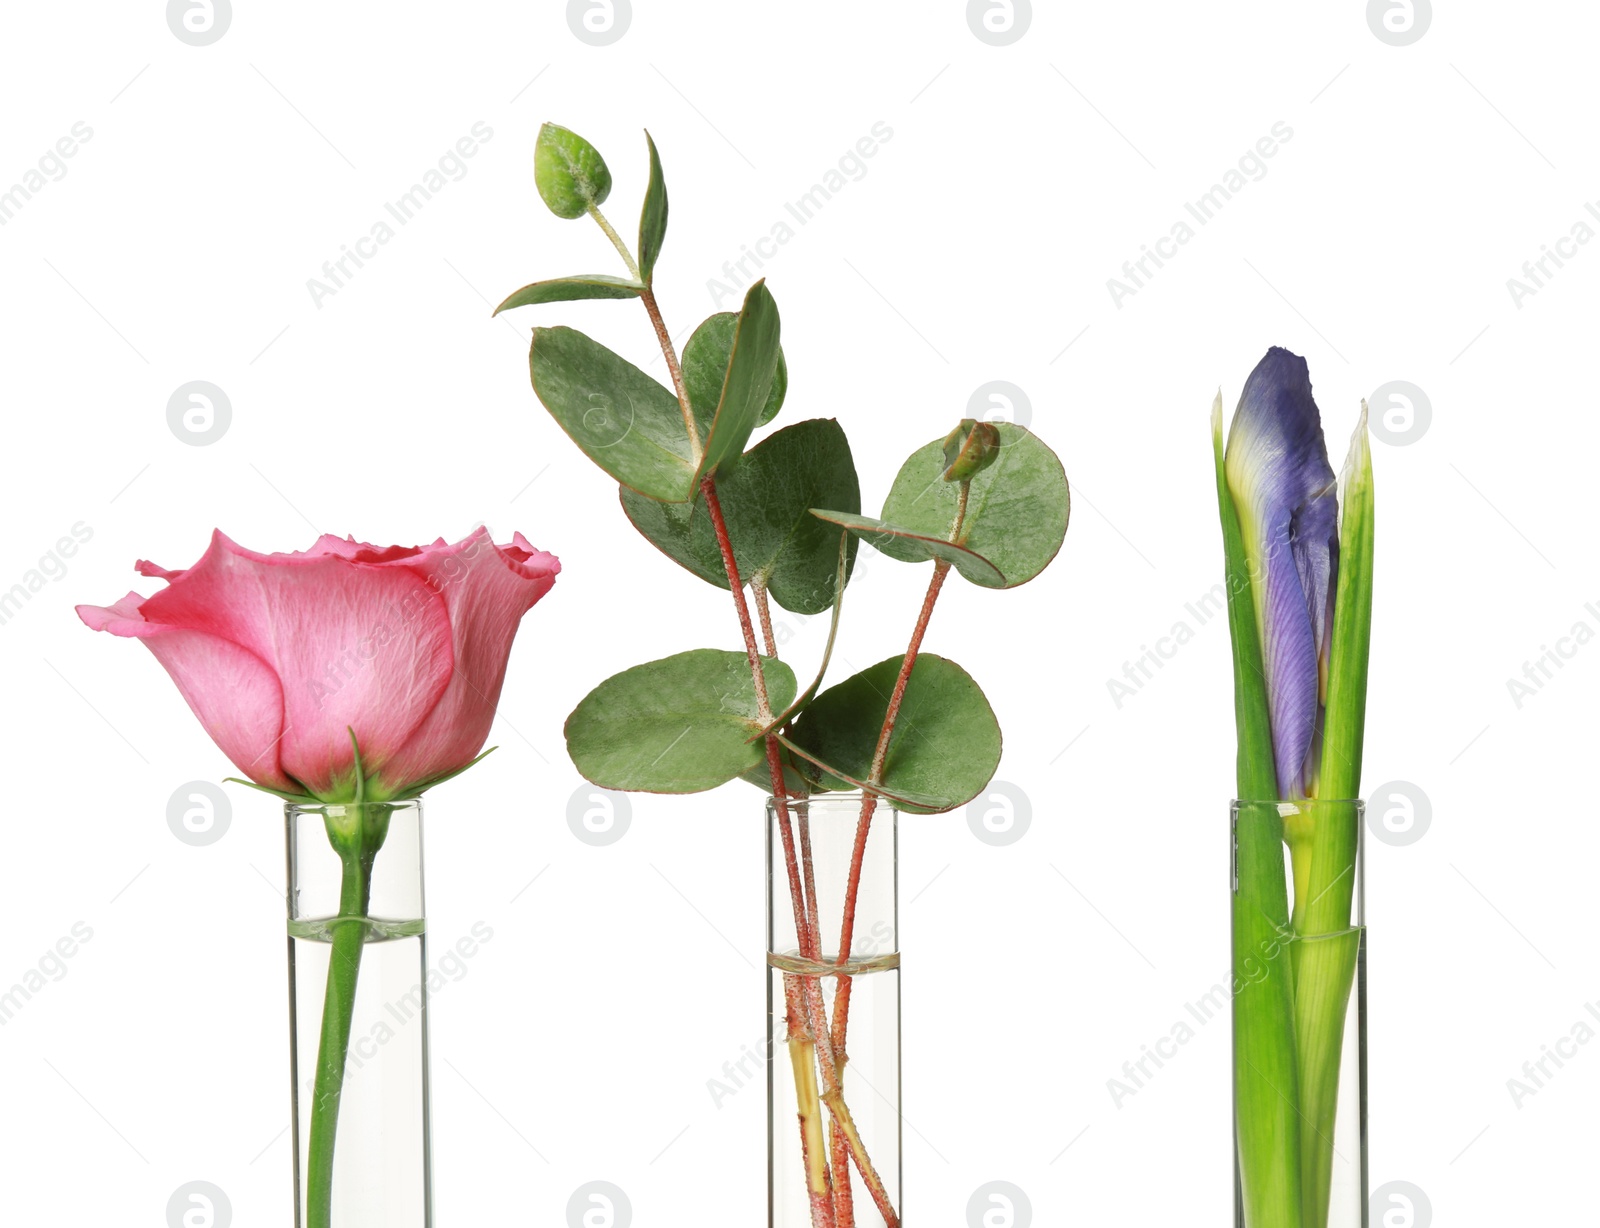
x=1299 y=555
x=1277 y=467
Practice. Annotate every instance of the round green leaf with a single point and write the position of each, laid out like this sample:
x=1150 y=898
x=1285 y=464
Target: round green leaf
x=1016 y=513
x=569 y=172
x=625 y=422
x=678 y=725
x=681 y=531
x=946 y=742
x=766 y=500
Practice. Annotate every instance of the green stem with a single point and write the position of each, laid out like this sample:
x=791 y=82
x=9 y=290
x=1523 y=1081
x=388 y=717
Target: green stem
x=1266 y=1091
x=1326 y=948
x=1265 y=1075
x=357 y=844
x=616 y=242
x=648 y=297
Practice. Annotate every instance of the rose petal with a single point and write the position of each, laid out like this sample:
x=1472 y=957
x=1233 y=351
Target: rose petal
x=353 y=646
x=235 y=695
x=487 y=589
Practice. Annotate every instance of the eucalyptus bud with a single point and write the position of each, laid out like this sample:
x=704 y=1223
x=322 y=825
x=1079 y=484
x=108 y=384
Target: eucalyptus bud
x=571 y=175
x=970 y=449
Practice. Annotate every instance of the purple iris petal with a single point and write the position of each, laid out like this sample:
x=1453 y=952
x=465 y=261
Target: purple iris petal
x=1277 y=466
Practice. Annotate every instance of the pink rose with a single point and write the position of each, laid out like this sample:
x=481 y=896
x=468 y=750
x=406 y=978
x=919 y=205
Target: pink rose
x=281 y=655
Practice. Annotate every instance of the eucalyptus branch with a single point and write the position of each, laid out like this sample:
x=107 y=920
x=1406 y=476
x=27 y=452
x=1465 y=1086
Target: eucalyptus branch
x=788 y=482
x=803 y=896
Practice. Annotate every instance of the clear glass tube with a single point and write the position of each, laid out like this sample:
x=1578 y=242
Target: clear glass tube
x=358 y=997
x=1298 y=994
x=833 y=1068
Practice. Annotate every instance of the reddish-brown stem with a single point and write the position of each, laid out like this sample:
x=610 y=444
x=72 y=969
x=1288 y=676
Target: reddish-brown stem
x=844 y=1202
x=880 y=754
x=869 y=806
x=802 y=1047
x=802 y=925
x=806 y=930
x=648 y=298
x=708 y=491
x=808 y=877
x=896 y=697
x=758 y=586
x=843 y=1205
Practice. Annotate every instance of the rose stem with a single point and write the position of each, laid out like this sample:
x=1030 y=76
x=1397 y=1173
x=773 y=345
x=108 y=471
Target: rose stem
x=338 y=1011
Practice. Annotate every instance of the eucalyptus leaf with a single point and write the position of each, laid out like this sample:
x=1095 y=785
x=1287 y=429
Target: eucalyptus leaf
x=678 y=725
x=766 y=501
x=625 y=422
x=705 y=366
x=682 y=532
x=1016 y=514
x=653 y=217
x=752 y=367
x=569 y=172
x=570 y=289
x=907 y=546
x=946 y=742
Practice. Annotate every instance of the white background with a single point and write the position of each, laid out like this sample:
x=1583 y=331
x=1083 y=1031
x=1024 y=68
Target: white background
x=977 y=247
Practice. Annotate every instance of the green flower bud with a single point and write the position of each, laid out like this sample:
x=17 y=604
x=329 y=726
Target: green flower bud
x=970 y=449
x=571 y=175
